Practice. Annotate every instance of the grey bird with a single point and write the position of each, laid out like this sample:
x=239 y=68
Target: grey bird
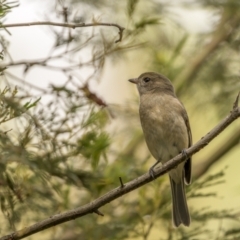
x=167 y=133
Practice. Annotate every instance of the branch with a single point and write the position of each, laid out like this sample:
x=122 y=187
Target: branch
x=223 y=31
x=44 y=62
x=68 y=25
x=93 y=206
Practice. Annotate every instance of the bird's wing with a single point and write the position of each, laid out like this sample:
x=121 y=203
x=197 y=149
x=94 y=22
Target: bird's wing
x=188 y=163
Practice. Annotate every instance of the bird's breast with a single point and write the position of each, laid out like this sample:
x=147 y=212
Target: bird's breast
x=163 y=126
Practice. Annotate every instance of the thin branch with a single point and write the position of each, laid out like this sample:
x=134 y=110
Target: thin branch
x=68 y=25
x=235 y=104
x=223 y=32
x=146 y=234
x=22 y=82
x=98 y=212
x=121 y=182
x=128 y=187
x=44 y=62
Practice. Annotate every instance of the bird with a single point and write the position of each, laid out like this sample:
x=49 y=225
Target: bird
x=167 y=133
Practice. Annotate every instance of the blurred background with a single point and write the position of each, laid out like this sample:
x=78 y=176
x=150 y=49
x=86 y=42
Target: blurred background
x=69 y=117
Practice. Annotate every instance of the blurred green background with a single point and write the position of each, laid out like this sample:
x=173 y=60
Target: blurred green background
x=69 y=117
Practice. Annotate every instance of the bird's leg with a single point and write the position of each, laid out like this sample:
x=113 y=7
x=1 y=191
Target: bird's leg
x=151 y=170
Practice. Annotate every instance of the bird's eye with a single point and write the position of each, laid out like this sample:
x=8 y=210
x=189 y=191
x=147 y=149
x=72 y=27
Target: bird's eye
x=146 y=79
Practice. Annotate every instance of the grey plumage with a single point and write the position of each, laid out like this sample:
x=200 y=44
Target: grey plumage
x=167 y=133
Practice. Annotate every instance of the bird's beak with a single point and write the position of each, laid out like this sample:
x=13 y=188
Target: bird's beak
x=133 y=80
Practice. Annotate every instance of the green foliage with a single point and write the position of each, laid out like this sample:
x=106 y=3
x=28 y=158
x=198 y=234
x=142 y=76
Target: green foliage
x=233 y=233
x=97 y=119
x=6 y=6
x=8 y=105
x=131 y=6
x=92 y=145
x=29 y=105
x=146 y=22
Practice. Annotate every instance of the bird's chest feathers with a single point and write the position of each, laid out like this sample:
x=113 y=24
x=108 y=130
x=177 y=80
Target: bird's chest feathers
x=157 y=112
x=163 y=127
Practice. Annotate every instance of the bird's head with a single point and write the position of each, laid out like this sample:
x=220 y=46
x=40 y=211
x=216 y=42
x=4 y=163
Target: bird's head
x=151 y=82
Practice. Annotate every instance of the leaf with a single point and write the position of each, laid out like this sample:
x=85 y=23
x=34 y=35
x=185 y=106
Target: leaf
x=93 y=145
x=27 y=105
x=131 y=6
x=98 y=119
x=145 y=22
x=15 y=91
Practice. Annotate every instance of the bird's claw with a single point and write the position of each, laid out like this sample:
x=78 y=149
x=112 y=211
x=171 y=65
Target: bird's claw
x=184 y=152
x=151 y=172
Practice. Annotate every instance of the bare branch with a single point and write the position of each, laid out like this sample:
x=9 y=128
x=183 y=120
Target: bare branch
x=68 y=25
x=235 y=104
x=44 y=62
x=98 y=212
x=128 y=187
x=121 y=182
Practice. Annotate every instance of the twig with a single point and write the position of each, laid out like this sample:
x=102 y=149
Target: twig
x=18 y=79
x=44 y=62
x=68 y=25
x=121 y=182
x=146 y=234
x=98 y=212
x=235 y=104
x=128 y=187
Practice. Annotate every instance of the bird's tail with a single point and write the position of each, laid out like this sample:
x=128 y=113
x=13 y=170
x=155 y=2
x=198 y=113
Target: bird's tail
x=179 y=204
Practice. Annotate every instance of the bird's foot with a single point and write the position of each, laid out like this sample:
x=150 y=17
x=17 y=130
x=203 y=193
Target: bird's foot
x=185 y=153
x=151 y=170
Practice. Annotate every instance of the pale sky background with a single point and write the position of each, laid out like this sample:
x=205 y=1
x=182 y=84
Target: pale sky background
x=34 y=43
